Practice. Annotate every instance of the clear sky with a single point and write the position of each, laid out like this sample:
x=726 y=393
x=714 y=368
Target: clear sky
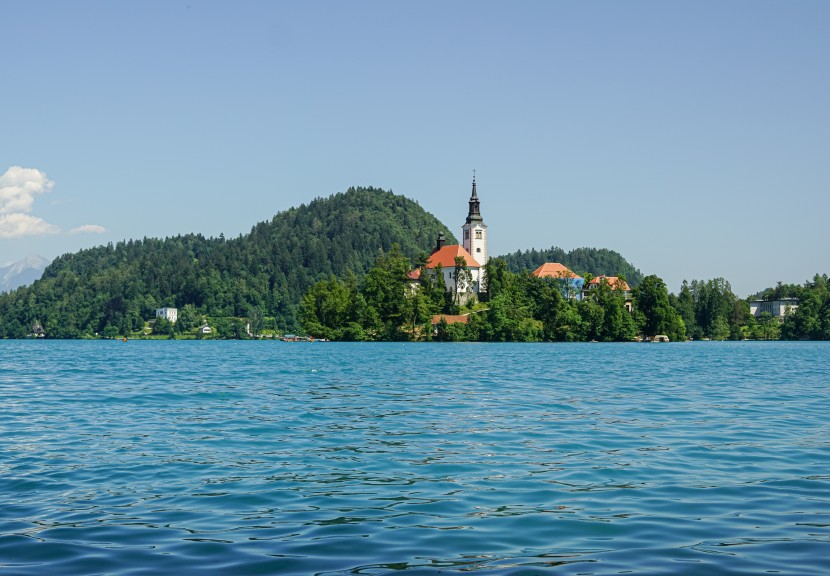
x=691 y=137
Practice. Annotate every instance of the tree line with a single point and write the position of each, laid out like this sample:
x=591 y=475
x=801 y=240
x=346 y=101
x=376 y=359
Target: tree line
x=520 y=307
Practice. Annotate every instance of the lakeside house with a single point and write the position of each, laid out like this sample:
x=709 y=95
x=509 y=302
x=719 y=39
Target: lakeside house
x=570 y=283
x=574 y=287
x=779 y=308
x=36 y=331
x=616 y=283
x=171 y=314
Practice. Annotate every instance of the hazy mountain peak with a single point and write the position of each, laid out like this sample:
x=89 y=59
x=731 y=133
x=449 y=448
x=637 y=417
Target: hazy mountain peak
x=22 y=273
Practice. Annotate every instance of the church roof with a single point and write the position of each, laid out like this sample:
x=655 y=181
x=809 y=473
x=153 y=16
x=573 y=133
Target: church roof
x=554 y=270
x=446 y=257
x=474 y=214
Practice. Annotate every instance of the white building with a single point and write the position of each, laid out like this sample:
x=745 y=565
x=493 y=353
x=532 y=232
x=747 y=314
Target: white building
x=464 y=284
x=172 y=314
x=778 y=308
x=444 y=257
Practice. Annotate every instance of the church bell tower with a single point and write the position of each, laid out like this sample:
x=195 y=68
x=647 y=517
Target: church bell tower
x=474 y=230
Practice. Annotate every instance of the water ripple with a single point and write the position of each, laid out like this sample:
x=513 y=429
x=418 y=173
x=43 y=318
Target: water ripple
x=264 y=458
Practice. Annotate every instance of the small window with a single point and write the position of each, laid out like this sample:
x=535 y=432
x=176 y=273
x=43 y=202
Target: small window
x=478 y=249
x=478 y=234
x=466 y=234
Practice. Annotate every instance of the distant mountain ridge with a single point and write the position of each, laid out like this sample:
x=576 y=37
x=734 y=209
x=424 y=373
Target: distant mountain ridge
x=22 y=273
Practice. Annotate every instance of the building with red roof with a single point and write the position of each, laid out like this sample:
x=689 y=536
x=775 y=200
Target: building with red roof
x=615 y=282
x=554 y=270
x=468 y=280
x=445 y=257
x=571 y=284
x=450 y=319
x=463 y=282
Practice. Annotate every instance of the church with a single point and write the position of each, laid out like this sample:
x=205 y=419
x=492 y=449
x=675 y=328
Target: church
x=473 y=252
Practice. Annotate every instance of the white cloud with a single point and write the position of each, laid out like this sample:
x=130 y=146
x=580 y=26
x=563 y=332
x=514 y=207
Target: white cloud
x=18 y=188
x=88 y=229
x=16 y=225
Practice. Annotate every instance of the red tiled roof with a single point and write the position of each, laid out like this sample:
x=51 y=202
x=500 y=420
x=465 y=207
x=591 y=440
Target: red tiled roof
x=554 y=270
x=446 y=257
x=450 y=318
x=613 y=281
x=415 y=274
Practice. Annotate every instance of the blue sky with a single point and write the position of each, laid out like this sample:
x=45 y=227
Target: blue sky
x=691 y=137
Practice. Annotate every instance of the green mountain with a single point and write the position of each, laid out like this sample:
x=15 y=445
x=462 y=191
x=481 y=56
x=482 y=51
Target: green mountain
x=266 y=271
x=596 y=261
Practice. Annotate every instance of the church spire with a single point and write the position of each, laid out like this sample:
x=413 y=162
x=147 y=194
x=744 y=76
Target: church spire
x=474 y=215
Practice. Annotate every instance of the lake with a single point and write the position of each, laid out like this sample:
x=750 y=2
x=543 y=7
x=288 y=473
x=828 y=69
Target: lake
x=333 y=458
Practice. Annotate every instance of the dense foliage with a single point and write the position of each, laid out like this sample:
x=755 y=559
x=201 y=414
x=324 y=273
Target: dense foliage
x=596 y=261
x=811 y=321
x=113 y=289
x=518 y=308
x=523 y=308
x=710 y=310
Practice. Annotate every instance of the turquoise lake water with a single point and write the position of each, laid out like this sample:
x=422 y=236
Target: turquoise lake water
x=333 y=458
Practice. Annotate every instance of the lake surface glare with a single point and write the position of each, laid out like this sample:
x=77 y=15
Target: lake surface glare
x=333 y=458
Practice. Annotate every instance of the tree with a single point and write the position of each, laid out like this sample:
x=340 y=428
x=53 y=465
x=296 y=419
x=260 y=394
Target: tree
x=497 y=276
x=238 y=329
x=567 y=324
x=806 y=321
x=714 y=309
x=256 y=320
x=617 y=325
x=592 y=316
x=651 y=298
x=684 y=303
x=508 y=320
x=188 y=318
x=463 y=279
x=384 y=288
x=325 y=309
x=110 y=332
x=767 y=327
x=163 y=327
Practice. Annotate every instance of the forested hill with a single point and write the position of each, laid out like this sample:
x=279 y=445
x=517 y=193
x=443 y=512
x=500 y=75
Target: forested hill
x=596 y=261
x=267 y=270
